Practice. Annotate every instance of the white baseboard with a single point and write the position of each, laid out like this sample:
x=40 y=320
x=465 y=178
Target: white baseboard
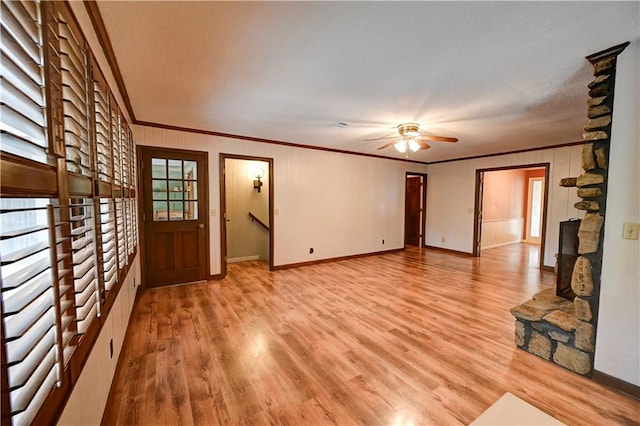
x=242 y=259
x=508 y=243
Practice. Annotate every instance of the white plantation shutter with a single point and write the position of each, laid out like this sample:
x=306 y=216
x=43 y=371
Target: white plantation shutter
x=22 y=99
x=29 y=304
x=109 y=258
x=67 y=234
x=103 y=141
x=115 y=145
x=75 y=105
x=125 y=154
x=120 y=232
x=87 y=292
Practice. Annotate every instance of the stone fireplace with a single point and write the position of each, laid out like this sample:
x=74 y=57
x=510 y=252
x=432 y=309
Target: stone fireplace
x=556 y=328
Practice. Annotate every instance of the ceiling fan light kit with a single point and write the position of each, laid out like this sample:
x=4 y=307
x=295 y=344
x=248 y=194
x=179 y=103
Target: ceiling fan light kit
x=411 y=139
x=405 y=144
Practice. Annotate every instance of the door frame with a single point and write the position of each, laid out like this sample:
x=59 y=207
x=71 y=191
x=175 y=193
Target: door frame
x=477 y=222
x=423 y=207
x=223 y=208
x=140 y=150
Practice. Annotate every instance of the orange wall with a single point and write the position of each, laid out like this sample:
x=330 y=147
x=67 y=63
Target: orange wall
x=504 y=195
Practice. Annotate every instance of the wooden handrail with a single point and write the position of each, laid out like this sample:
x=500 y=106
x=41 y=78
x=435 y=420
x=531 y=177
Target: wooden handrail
x=255 y=219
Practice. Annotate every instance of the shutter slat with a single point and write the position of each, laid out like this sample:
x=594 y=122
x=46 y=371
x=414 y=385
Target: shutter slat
x=25 y=273
x=17 y=100
x=18 y=349
x=21 y=16
x=18 y=324
x=17 y=32
x=16 y=76
x=20 y=297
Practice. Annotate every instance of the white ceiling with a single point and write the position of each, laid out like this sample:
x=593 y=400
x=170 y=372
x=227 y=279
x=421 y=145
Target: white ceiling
x=499 y=76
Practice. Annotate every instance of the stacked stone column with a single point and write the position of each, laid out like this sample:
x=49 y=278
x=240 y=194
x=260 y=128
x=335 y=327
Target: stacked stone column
x=547 y=326
x=592 y=188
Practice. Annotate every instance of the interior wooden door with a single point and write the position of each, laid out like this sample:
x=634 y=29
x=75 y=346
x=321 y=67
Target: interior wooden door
x=175 y=216
x=412 y=212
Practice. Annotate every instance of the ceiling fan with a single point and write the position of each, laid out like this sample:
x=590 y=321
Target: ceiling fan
x=410 y=138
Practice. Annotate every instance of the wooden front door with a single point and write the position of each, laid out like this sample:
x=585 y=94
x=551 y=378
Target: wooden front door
x=175 y=216
x=412 y=212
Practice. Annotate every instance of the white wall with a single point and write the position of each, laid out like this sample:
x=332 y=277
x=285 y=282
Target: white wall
x=451 y=196
x=337 y=204
x=89 y=398
x=618 y=340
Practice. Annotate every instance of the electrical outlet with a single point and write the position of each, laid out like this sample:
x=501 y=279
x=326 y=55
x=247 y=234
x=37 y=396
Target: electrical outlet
x=442 y=240
x=311 y=250
x=111 y=348
x=631 y=231
x=382 y=241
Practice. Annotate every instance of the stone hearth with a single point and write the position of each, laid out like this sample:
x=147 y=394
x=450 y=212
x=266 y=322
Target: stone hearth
x=548 y=326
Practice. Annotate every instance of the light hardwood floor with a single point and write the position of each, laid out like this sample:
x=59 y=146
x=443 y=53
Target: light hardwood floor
x=416 y=337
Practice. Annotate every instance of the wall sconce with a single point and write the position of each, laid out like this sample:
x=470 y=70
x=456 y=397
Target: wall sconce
x=258 y=173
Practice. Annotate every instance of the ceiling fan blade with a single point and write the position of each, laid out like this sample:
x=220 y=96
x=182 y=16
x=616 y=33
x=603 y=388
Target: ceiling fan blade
x=439 y=138
x=387 y=145
x=379 y=139
x=423 y=145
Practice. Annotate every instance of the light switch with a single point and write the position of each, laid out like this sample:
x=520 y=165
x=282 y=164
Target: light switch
x=631 y=231
x=276 y=212
x=213 y=212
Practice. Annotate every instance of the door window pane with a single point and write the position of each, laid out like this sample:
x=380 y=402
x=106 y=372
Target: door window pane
x=175 y=169
x=176 y=211
x=160 y=210
x=158 y=168
x=159 y=189
x=175 y=189
x=191 y=190
x=191 y=210
x=190 y=170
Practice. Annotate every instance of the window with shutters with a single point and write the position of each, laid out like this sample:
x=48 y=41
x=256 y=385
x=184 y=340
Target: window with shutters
x=108 y=228
x=87 y=292
x=74 y=94
x=101 y=116
x=28 y=301
x=68 y=233
x=120 y=232
x=115 y=144
x=23 y=126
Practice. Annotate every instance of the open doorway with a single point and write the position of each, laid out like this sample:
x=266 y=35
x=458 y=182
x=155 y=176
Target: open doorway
x=415 y=209
x=246 y=200
x=511 y=208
